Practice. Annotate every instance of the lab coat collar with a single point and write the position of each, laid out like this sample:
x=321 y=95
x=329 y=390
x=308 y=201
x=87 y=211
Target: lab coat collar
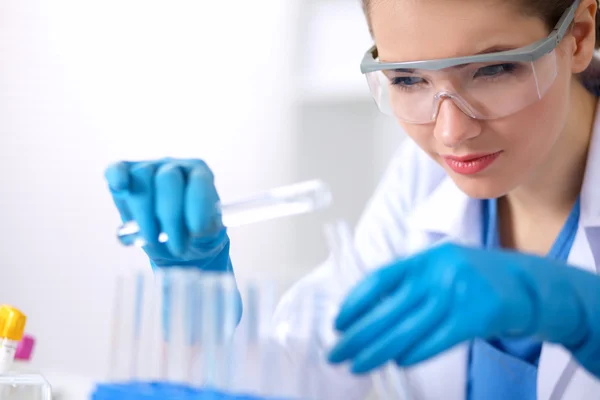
x=449 y=213
x=590 y=191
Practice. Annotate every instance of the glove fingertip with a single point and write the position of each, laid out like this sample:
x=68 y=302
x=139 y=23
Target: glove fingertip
x=201 y=205
x=203 y=172
x=335 y=356
x=117 y=177
x=341 y=322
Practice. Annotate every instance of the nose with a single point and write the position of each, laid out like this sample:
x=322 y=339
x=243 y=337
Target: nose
x=453 y=127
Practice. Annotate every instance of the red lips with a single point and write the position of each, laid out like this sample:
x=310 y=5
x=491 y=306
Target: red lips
x=471 y=163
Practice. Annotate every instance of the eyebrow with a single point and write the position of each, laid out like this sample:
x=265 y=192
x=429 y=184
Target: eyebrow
x=496 y=49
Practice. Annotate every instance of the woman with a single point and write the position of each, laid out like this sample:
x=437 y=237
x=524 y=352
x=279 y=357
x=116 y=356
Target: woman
x=484 y=235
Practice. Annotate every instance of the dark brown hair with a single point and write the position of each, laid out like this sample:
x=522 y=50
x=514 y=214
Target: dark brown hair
x=549 y=11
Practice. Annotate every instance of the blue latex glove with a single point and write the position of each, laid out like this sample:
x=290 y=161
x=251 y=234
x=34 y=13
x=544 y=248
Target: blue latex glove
x=421 y=306
x=177 y=197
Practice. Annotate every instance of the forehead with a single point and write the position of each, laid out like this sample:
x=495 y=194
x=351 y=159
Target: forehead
x=410 y=30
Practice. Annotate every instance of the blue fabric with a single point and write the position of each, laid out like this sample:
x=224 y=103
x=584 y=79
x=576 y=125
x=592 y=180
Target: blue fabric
x=496 y=375
x=506 y=368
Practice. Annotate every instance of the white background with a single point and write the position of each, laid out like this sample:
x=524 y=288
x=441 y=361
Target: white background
x=267 y=92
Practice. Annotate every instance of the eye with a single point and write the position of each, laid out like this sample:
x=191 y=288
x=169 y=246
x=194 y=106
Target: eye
x=495 y=70
x=406 y=81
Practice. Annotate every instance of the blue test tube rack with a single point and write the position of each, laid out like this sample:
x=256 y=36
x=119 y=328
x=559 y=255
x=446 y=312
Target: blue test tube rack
x=165 y=391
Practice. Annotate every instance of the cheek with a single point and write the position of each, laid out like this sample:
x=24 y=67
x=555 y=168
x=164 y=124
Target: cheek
x=530 y=134
x=422 y=135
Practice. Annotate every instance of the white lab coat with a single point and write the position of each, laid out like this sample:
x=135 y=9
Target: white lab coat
x=415 y=206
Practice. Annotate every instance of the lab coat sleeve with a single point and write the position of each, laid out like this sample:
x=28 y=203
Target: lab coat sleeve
x=306 y=349
x=587 y=352
x=567 y=301
x=378 y=239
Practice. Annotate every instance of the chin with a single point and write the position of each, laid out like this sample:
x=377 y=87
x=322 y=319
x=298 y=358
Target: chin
x=483 y=187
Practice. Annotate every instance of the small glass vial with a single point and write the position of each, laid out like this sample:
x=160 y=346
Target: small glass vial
x=12 y=326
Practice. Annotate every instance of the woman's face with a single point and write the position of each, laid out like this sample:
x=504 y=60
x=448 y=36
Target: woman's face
x=518 y=145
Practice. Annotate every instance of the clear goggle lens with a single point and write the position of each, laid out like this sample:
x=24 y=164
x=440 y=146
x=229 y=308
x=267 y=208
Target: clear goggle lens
x=480 y=90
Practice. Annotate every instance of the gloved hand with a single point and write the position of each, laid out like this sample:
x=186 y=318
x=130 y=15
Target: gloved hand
x=177 y=197
x=421 y=306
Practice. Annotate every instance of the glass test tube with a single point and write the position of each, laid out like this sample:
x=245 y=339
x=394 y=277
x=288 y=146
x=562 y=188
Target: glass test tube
x=251 y=377
x=284 y=201
x=122 y=366
x=132 y=302
x=258 y=371
x=219 y=314
x=150 y=357
x=309 y=386
x=176 y=328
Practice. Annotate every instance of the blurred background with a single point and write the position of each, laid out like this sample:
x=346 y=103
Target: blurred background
x=267 y=92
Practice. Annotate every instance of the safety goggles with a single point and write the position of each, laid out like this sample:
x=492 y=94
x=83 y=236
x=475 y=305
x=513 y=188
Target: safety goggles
x=483 y=86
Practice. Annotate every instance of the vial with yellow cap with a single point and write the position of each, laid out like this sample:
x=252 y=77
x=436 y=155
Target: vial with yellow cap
x=12 y=326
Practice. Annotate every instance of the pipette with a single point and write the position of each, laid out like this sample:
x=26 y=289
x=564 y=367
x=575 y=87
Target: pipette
x=283 y=201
